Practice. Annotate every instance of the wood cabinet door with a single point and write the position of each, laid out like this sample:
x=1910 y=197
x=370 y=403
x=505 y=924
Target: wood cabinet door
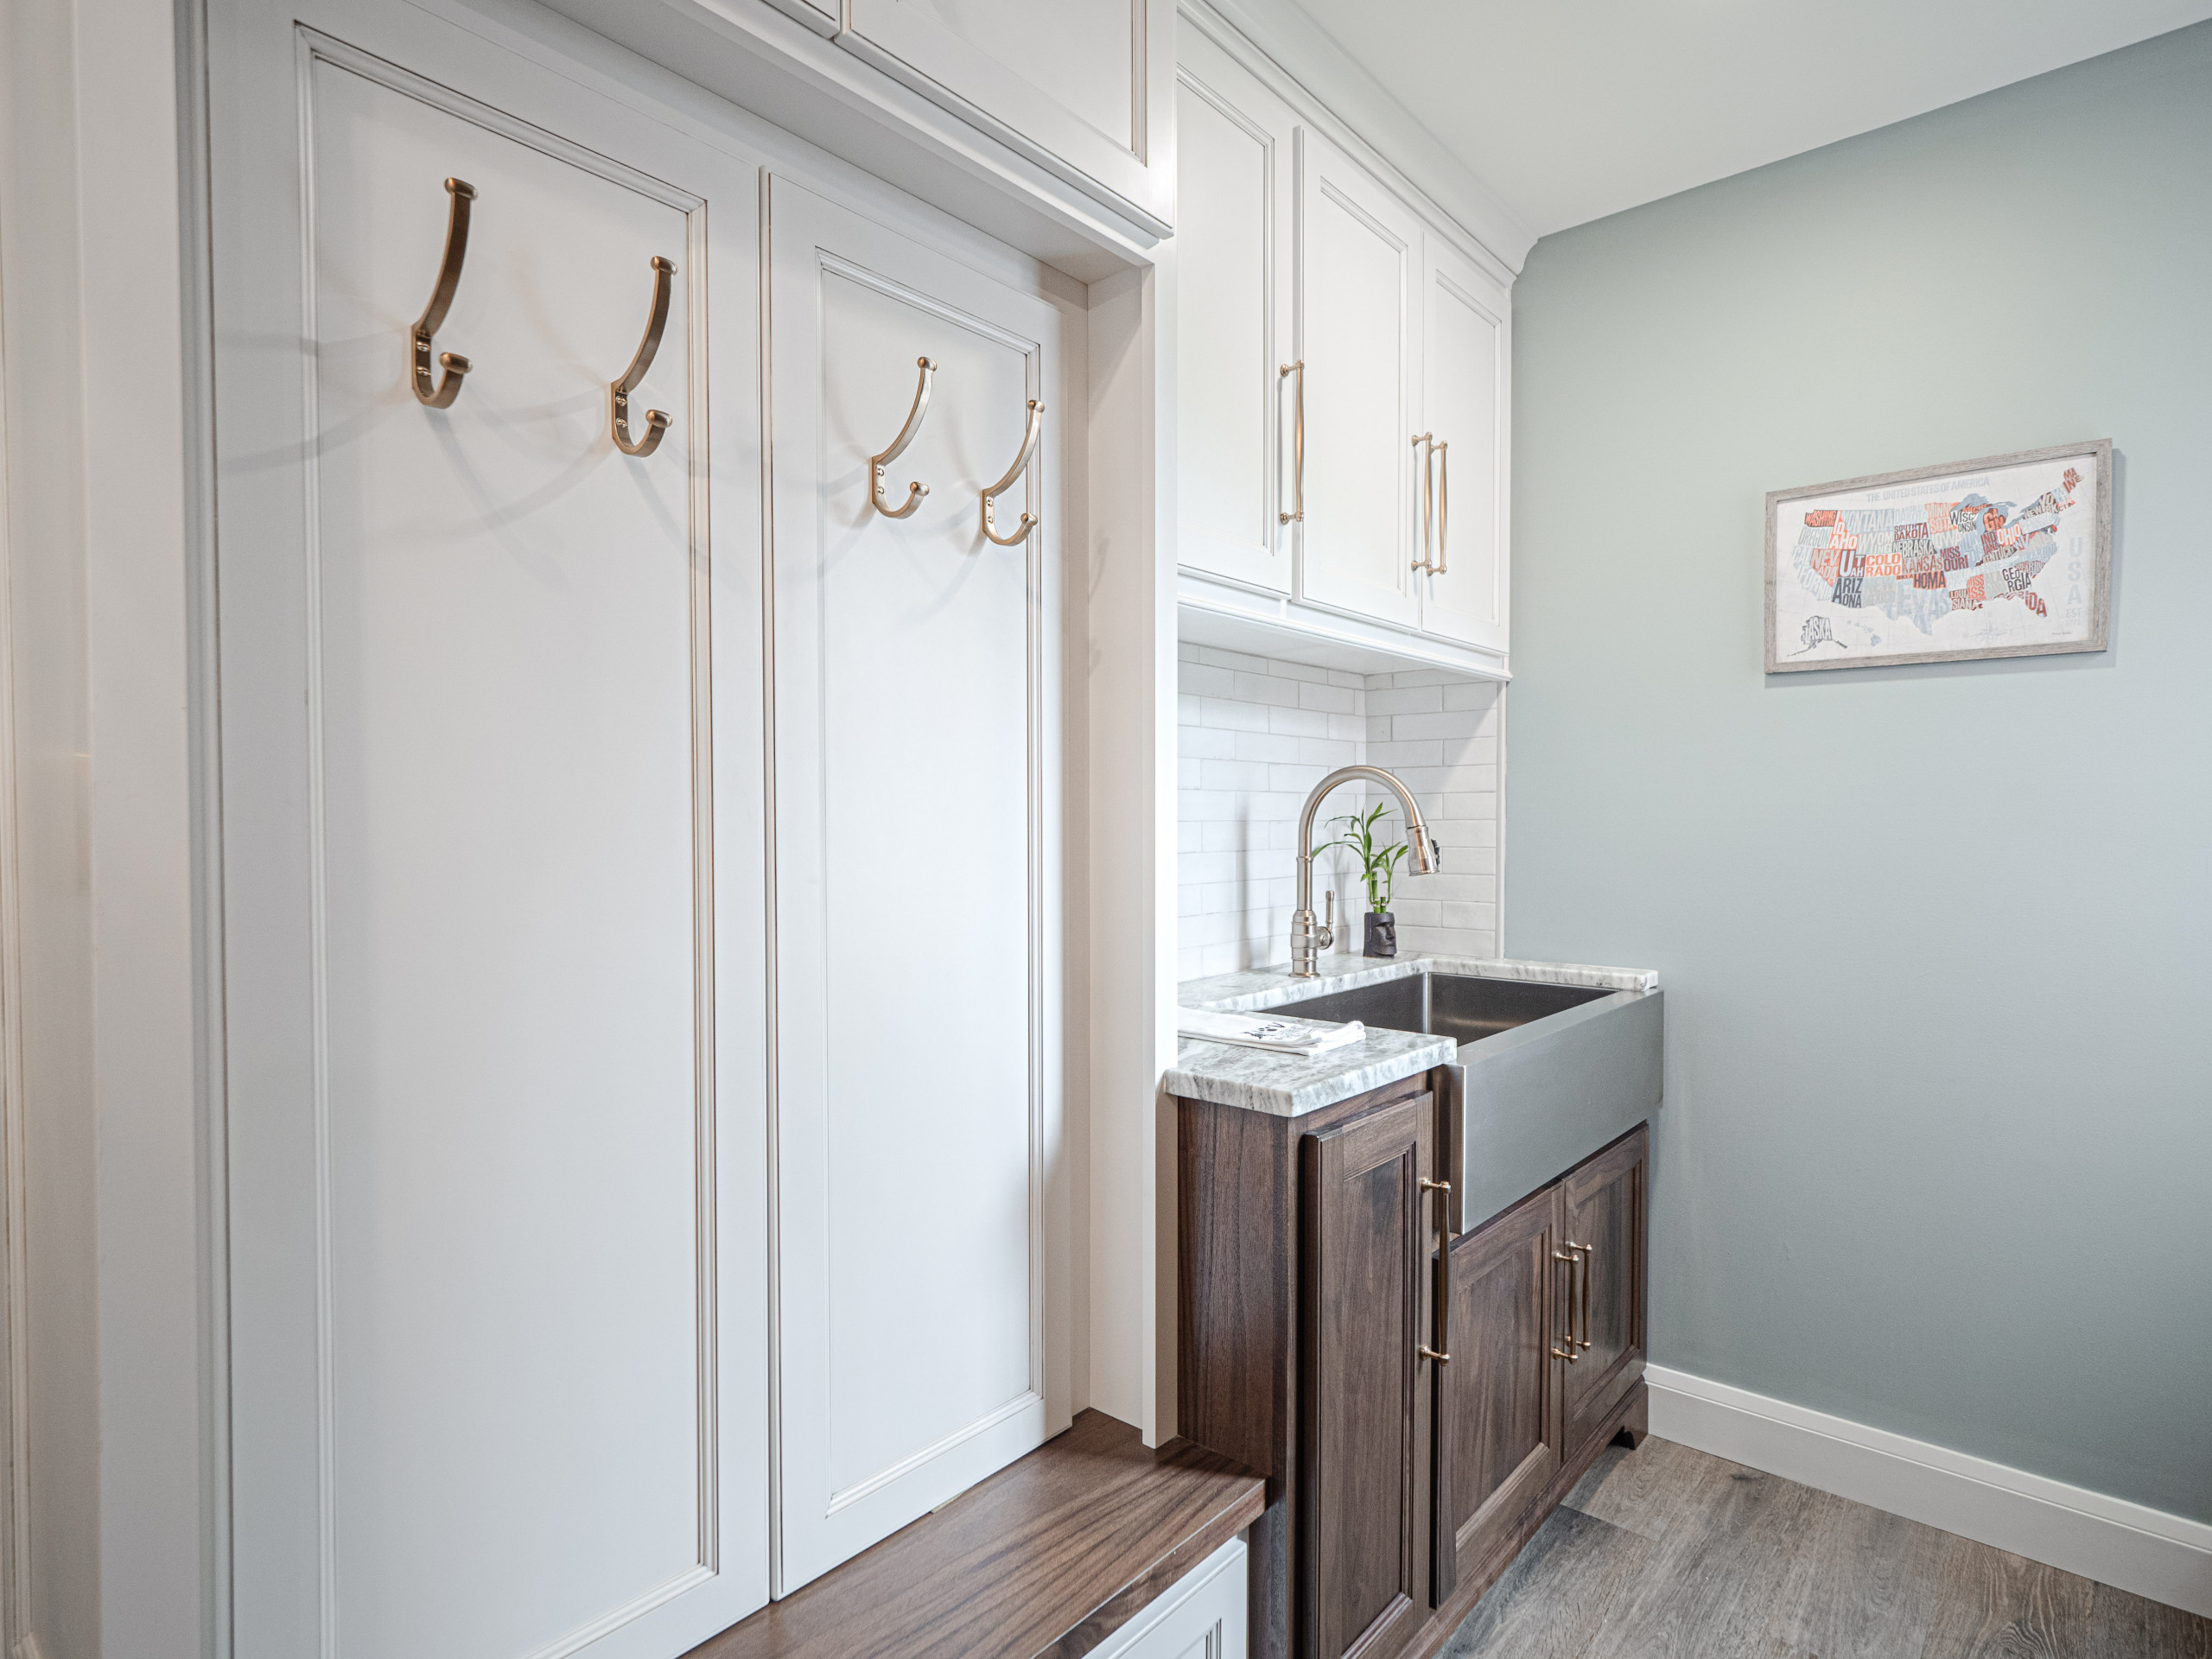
x=1232 y=296
x=1466 y=336
x=1359 y=338
x=1364 y=1421
x=491 y=713
x=921 y=1318
x=1605 y=1207
x=1497 y=1401
x=1083 y=88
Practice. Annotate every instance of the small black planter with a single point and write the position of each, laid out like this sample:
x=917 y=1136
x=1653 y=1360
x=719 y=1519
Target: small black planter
x=1382 y=934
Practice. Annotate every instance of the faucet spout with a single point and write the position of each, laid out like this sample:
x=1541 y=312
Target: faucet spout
x=1307 y=940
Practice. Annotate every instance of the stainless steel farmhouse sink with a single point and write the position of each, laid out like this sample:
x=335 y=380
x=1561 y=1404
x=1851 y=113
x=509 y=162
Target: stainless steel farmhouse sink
x=1547 y=1074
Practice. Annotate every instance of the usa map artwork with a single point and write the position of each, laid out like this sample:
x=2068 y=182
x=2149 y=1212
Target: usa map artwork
x=1996 y=559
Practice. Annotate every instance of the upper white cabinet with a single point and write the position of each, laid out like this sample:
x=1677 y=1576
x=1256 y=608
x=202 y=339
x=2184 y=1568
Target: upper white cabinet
x=1343 y=383
x=1359 y=346
x=1234 y=141
x=1464 y=349
x=1081 y=88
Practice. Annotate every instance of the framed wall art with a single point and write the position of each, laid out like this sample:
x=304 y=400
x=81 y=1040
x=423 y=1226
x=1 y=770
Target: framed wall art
x=2008 y=557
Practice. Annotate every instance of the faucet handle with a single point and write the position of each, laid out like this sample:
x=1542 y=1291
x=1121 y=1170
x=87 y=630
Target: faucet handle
x=1326 y=938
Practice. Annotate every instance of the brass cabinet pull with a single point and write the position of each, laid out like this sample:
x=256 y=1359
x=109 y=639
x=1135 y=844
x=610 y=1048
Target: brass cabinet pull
x=1573 y=1256
x=991 y=495
x=440 y=393
x=1427 y=561
x=877 y=463
x=1297 y=444
x=1443 y=505
x=617 y=391
x=1588 y=1252
x=1442 y=1352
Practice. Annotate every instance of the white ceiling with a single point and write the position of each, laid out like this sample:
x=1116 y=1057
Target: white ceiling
x=1572 y=109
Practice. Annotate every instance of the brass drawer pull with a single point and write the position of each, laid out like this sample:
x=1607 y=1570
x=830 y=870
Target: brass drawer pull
x=1589 y=1252
x=1573 y=1257
x=1442 y=1352
x=1297 y=443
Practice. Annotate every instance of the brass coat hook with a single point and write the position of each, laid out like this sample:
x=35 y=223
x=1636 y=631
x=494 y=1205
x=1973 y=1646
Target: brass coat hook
x=617 y=391
x=439 y=394
x=907 y=434
x=990 y=503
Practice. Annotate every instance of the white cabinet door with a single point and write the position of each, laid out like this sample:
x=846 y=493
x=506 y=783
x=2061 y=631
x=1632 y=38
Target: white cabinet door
x=1466 y=334
x=495 y=996
x=1202 y=1617
x=1235 y=176
x=1359 y=337
x=917 y=762
x=1082 y=87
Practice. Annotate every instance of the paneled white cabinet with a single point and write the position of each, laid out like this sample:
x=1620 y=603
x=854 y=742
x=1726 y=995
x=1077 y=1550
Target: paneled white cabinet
x=1324 y=327
x=1237 y=144
x=921 y=1343
x=1359 y=251
x=493 y=969
x=1081 y=88
x=1466 y=344
x=574 y=1191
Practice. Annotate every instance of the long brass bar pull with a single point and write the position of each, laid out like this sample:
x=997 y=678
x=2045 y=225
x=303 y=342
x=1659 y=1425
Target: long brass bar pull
x=1442 y=452
x=617 y=391
x=1442 y=1352
x=1297 y=514
x=990 y=496
x=876 y=463
x=1573 y=1256
x=438 y=393
x=1427 y=559
x=1589 y=1252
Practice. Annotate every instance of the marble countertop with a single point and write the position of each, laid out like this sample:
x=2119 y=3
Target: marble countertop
x=1288 y=1086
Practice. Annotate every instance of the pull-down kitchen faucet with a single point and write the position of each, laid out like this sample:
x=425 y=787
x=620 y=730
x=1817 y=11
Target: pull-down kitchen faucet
x=1307 y=941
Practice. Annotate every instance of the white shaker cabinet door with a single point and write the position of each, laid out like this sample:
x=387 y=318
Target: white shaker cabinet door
x=492 y=966
x=1466 y=337
x=1235 y=180
x=920 y=1343
x=1359 y=338
x=1083 y=88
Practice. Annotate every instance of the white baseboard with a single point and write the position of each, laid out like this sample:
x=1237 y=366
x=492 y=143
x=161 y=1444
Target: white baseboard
x=2166 y=1557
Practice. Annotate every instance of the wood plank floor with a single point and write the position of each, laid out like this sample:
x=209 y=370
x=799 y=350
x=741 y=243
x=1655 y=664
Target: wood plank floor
x=1664 y=1553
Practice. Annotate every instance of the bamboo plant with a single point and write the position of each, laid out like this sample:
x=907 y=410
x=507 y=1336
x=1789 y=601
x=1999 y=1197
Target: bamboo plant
x=1378 y=864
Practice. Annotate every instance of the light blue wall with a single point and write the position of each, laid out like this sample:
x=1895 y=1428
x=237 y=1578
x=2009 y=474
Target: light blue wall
x=1937 y=941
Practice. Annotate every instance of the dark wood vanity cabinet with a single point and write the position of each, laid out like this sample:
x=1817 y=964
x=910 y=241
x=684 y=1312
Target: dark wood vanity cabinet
x=1320 y=1290
x=1545 y=1309
x=1498 y=1402
x=1601 y=1219
x=1367 y=1235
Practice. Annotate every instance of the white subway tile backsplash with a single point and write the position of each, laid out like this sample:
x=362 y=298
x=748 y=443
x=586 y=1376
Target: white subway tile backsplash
x=1233 y=659
x=1406 y=700
x=1395 y=755
x=1268 y=746
x=1230 y=714
x=1227 y=777
x=1459 y=723
x=1298 y=722
x=1256 y=733
x=1267 y=689
x=1329 y=699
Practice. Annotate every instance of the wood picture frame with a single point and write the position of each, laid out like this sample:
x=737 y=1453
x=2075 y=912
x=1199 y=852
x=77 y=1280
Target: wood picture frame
x=1893 y=580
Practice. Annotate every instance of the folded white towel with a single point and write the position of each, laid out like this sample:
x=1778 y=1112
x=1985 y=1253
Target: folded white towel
x=1267 y=1031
